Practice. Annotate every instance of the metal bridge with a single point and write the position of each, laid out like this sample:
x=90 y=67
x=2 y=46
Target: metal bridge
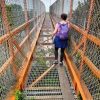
x=27 y=53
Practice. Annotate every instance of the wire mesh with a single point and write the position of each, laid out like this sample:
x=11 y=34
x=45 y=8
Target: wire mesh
x=4 y=53
x=93 y=53
x=20 y=36
x=92 y=82
x=80 y=12
x=7 y=80
x=2 y=28
x=15 y=12
x=95 y=22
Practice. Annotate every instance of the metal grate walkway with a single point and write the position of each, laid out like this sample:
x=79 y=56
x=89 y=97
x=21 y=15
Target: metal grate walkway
x=51 y=86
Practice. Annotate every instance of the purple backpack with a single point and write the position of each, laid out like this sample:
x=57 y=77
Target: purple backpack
x=63 y=31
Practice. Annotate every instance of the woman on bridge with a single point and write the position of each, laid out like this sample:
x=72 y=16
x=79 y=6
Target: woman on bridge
x=60 y=35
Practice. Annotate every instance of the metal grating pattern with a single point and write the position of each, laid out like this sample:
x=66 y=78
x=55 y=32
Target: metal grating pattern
x=51 y=79
x=35 y=72
x=93 y=53
x=48 y=88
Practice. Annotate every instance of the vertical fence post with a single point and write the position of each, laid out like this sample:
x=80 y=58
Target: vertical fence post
x=26 y=20
x=90 y=15
x=87 y=29
x=62 y=5
x=26 y=15
x=7 y=27
x=25 y=10
x=71 y=9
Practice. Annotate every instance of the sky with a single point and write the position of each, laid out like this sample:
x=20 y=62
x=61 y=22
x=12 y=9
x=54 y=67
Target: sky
x=47 y=3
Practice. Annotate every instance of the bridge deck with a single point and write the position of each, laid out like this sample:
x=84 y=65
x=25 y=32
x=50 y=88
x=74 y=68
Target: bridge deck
x=54 y=85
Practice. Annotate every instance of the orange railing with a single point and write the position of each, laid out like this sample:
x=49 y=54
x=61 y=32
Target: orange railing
x=18 y=41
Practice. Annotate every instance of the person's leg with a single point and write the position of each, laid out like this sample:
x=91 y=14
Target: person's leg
x=62 y=55
x=56 y=55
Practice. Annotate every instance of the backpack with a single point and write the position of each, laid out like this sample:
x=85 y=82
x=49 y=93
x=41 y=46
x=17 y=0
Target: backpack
x=63 y=31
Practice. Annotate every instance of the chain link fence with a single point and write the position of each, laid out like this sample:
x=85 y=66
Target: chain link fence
x=84 y=48
x=18 y=28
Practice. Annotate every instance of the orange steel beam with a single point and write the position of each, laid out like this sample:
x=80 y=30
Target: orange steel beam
x=14 y=68
x=15 y=31
x=5 y=65
x=84 y=32
x=41 y=76
x=26 y=19
x=92 y=67
x=76 y=77
x=92 y=2
x=77 y=47
x=25 y=10
x=19 y=49
x=71 y=9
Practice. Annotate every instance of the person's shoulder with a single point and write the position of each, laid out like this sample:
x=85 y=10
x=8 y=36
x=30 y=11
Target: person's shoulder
x=57 y=24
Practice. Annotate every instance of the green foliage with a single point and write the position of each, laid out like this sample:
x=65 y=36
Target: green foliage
x=78 y=57
x=40 y=59
x=19 y=95
x=50 y=51
x=79 y=96
x=32 y=98
x=9 y=14
x=81 y=12
x=2 y=88
x=12 y=10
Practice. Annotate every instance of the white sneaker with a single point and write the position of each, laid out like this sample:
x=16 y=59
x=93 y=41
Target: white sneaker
x=61 y=63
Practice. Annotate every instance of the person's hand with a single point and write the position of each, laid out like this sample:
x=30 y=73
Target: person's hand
x=52 y=36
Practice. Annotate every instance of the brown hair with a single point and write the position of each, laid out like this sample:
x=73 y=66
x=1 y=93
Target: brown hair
x=63 y=16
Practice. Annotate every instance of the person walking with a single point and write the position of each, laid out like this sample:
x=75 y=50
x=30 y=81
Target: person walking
x=60 y=36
